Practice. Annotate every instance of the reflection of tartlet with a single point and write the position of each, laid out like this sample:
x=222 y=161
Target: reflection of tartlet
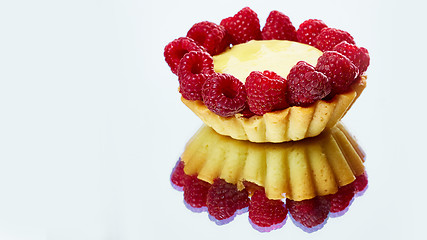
x=297 y=170
x=275 y=85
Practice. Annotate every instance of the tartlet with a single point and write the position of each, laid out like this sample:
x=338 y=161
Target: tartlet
x=320 y=68
x=296 y=170
x=284 y=90
x=307 y=180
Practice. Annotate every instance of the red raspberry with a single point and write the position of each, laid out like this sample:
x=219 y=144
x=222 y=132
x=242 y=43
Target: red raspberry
x=195 y=192
x=178 y=176
x=194 y=69
x=360 y=183
x=359 y=56
x=309 y=29
x=278 y=26
x=339 y=69
x=246 y=112
x=224 y=94
x=341 y=199
x=329 y=37
x=211 y=36
x=266 y=92
x=243 y=27
x=311 y=212
x=306 y=85
x=224 y=199
x=265 y=212
x=176 y=49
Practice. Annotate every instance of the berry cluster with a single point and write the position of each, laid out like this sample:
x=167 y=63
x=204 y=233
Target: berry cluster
x=223 y=200
x=190 y=58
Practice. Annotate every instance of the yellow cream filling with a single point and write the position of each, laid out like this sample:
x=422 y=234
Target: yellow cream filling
x=278 y=56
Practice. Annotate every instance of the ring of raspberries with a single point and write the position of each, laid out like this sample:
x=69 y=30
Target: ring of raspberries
x=190 y=58
x=223 y=201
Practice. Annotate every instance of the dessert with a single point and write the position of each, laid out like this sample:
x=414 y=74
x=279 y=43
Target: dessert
x=296 y=170
x=285 y=90
x=310 y=179
x=274 y=84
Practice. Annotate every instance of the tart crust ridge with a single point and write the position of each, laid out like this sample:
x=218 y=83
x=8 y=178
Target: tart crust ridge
x=290 y=124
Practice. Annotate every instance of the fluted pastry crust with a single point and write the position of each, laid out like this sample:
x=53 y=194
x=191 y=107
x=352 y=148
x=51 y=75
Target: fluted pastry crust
x=291 y=124
x=295 y=170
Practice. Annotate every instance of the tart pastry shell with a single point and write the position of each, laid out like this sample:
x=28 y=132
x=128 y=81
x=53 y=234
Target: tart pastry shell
x=291 y=124
x=295 y=170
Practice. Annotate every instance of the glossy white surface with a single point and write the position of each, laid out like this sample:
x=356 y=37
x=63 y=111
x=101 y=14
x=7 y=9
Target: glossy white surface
x=91 y=123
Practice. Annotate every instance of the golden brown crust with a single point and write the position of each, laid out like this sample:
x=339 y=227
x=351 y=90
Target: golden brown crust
x=298 y=170
x=291 y=124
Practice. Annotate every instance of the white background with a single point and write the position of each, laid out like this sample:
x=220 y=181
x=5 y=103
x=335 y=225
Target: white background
x=91 y=123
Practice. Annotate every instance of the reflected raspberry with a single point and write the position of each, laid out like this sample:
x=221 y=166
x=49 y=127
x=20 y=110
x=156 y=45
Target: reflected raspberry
x=178 y=176
x=195 y=192
x=361 y=183
x=223 y=199
x=265 y=212
x=341 y=199
x=311 y=212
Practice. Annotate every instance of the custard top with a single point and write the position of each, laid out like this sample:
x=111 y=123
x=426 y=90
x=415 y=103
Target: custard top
x=278 y=56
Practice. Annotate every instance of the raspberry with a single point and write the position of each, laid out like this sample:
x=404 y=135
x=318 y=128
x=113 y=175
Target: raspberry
x=265 y=212
x=358 y=56
x=243 y=26
x=278 y=26
x=306 y=85
x=195 y=192
x=329 y=37
x=194 y=69
x=246 y=112
x=339 y=69
x=310 y=212
x=211 y=36
x=308 y=31
x=224 y=199
x=224 y=94
x=341 y=199
x=266 y=92
x=176 y=49
x=178 y=176
x=360 y=183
